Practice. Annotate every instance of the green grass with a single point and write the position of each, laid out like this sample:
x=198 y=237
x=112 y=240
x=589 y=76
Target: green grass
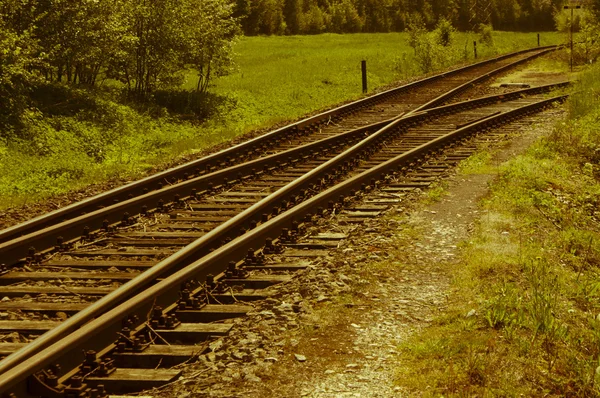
x=97 y=137
x=530 y=271
x=281 y=78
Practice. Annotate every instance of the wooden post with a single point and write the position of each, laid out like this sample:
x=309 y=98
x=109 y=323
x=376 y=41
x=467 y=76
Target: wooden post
x=364 y=76
x=475 y=48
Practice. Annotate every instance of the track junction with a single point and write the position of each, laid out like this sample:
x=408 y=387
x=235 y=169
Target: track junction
x=142 y=277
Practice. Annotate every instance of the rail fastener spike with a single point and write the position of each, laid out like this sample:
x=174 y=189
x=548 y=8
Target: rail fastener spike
x=270 y=247
x=213 y=286
x=162 y=321
x=60 y=244
x=284 y=237
x=233 y=272
x=90 y=362
x=85 y=234
x=251 y=258
x=44 y=383
x=98 y=392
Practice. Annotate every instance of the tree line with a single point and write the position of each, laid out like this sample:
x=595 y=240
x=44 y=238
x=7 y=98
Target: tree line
x=144 y=44
x=346 y=16
x=148 y=45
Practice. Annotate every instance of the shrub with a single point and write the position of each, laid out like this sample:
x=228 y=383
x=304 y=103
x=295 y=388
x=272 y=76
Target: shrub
x=485 y=34
x=444 y=32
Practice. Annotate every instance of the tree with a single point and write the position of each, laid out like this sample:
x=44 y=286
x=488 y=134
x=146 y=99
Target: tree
x=212 y=33
x=79 y=36
x=292 y=11
x=344 y=18
x=17 y=76
x=315 y=20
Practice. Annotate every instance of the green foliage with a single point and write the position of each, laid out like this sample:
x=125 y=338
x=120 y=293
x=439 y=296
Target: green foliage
x=345 y=16
x=581 y=136
x=144 y=44
x=486 y=34
x=16 y=78
x=315 y=20
x=530 y=272
x=416 y=29
x=211 y=38
x=444 y=32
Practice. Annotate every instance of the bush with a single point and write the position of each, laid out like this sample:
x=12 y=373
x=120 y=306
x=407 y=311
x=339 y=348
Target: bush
x=416 y=29
x=199 y=105
x=485 y=34
x=444 y=32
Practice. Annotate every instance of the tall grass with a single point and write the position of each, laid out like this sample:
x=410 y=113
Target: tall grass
x=586 y=97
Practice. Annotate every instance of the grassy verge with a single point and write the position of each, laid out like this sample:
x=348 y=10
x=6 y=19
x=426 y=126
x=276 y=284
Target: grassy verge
x=77 y=137
x=525 y=312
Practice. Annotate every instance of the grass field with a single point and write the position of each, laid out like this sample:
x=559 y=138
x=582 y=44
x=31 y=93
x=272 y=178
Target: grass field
x=277 y=79
x=281 y=78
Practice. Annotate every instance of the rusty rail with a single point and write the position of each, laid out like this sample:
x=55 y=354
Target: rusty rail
x=99 y=319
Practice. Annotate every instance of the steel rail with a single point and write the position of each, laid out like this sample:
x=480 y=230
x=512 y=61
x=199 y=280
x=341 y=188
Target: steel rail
x=215 y=261
x=14 y=250
x=138 y=188
x=423 y=115
x=457 y=90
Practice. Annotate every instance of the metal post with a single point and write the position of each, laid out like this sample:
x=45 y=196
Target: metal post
x=571 y=39
x=574 y=4
x=364 y=76
x=475 y=48
x=538 y=39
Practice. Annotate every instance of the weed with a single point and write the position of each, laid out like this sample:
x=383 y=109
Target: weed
x=436 y=192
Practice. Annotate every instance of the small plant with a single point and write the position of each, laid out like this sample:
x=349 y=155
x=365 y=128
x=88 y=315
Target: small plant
x=444 y=32
x=416 y=31
x=435 y=193
x=505 y=308
x=486 y=34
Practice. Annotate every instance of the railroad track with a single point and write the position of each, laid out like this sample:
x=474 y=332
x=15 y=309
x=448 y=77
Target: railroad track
x=412 y=97
x=117 y=254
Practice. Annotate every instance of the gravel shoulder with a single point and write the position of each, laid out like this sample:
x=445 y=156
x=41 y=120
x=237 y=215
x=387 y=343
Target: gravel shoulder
x=334 y=330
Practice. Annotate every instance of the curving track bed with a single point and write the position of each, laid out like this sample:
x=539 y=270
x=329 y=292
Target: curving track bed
x=196 y=242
